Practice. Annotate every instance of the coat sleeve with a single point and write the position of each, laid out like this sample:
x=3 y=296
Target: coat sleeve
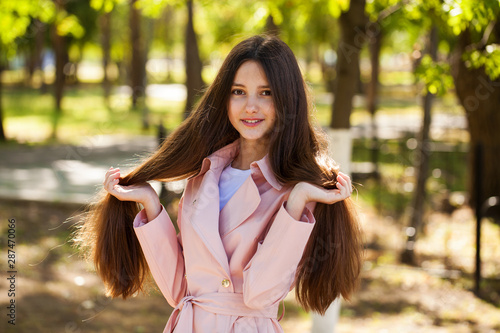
x=271 y=272
x=163 y=251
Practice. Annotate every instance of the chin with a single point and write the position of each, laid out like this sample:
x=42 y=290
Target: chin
x=255 y=138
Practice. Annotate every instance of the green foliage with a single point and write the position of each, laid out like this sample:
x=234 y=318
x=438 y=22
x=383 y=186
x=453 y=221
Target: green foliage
x=16 y=17
x=374 y=8
x=463 y=14
x=105 y=5
x=489 y=59
x=336 y=7
x=155 y=8
x=478 y=17
x=435 y=76
x=68 y=24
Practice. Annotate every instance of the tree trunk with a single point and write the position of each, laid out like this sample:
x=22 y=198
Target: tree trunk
x=2 y=133
x=136 y=66
x=352 y=25
x=74 y=66
x=194 y=81
x=58 y=43
x=148 y=39
x=39 y=41
x=422 y=167
x=106 y=54
x=480 y=97
x=372 y=94
x=352 y=37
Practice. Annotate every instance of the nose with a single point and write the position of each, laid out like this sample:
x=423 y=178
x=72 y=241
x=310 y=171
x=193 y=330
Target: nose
x=252 y=105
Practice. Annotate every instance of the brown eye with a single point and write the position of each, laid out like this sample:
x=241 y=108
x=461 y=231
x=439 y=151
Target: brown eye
x=237 y=92
x=266 y=93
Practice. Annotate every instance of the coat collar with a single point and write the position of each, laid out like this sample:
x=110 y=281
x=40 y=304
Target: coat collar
x=224 y=156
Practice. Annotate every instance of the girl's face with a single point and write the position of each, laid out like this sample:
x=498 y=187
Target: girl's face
x=251 y=106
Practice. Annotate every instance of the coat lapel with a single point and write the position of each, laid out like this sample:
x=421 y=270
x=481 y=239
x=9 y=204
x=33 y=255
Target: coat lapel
x=205 y=217
x=204 y=202
x=241 y=205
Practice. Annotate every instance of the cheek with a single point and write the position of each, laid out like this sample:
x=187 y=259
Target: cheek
x=270 y=111
x=232 y=111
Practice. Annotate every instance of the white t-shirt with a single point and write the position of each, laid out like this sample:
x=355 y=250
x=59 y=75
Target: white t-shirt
x=230 y=181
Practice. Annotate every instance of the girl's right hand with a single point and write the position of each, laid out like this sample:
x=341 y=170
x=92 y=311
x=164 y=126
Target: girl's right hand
x=143 y=193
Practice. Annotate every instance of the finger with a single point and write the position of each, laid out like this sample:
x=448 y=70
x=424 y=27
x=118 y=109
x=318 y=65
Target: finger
x=107 y=184
x=342 y=189
x=107 y=178
x=113 y=174
x=345 y=191
x=110 y=172
x=114 y=188
x=112 y=180
x=342 y=180
x=337 y=195
x=346 y=181
x=344 y=175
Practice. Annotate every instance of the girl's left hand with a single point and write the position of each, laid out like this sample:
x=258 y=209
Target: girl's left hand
x=304 y=192
x=310 y=192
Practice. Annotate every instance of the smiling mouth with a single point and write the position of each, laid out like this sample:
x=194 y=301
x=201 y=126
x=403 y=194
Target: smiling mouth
x=252 y=121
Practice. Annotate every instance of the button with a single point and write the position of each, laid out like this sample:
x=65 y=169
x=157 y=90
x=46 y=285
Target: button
x=225 y=283
x=185 y=276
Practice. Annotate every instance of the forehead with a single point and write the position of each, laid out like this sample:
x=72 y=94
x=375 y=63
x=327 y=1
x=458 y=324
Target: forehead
x=250 y=70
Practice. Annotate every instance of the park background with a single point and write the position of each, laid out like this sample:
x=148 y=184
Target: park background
x=410 y=87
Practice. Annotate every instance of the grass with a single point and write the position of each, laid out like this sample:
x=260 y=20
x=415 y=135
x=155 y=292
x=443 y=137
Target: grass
x=29 y=115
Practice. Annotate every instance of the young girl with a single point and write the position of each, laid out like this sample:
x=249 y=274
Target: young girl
x=256 y=171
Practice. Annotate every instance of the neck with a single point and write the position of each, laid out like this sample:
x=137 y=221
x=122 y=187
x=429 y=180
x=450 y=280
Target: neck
x=250 y=151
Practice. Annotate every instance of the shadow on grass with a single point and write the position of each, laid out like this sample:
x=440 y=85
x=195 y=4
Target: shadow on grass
x=48 y=312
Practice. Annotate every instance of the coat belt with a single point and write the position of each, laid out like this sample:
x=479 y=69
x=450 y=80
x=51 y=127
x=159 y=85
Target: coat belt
x=229 y=304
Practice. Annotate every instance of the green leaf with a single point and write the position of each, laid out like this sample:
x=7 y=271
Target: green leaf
x=434 y=75
x=70 y=25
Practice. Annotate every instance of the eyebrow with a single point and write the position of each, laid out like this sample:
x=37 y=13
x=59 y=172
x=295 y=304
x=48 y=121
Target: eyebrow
x=235 y=84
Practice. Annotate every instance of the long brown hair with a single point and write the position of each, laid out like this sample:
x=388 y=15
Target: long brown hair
x=331 y=262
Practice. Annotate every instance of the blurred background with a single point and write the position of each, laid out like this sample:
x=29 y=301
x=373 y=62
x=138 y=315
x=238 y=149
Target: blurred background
x=408 y=91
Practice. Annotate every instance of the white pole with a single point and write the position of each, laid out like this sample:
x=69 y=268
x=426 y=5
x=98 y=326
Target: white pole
x=340 y=147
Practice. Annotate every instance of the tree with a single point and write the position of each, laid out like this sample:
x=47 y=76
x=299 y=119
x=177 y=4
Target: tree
x=59 y=45
x=105 y=8
x=34 y=48
x=422 y=161
x=194 y=81
x=2 y=132
x=15 y=18
x=476 y=74
x=137 y=69
x=105 y=24
x=475 y=68
x=383 y=22
x=352 y=24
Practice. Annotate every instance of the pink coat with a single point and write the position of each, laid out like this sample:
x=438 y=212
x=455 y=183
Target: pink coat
x=227 y=271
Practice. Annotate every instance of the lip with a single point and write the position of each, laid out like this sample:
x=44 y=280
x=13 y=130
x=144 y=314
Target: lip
x=246 y=123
